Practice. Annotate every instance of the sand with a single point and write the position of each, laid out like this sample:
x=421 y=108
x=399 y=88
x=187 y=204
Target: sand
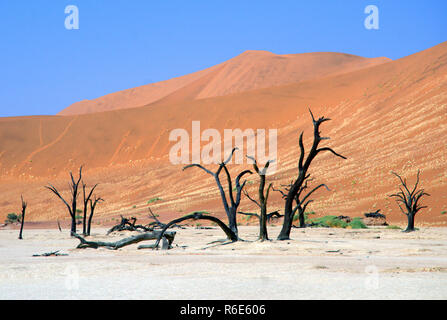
x=386 y=117
x=319 y=263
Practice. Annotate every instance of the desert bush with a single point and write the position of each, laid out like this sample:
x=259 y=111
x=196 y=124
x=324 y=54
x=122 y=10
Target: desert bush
x=357 y=223
x=335 y=222
x=12 y=218
x=154 y=200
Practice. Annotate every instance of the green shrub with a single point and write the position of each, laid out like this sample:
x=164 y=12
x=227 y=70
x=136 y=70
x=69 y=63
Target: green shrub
x=12 y=218
x=328 y=222
x=357 y=223
x=154 y=200
x=335 y=222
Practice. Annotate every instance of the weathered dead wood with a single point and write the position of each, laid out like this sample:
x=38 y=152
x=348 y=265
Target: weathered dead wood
x=158 y=223
x=262 y=197
x=49 y=254
x=301 y=202
x=303 y=166
x=232 y=205
x=93 y=204
x=74 y=186
x=86 y=200
x=154 y=235
x=129 y=225
x=22 y=218
x=270 y=216
x=199 y=216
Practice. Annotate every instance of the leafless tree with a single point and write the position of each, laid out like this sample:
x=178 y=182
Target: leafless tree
x=22 y=217
x=262 y=198
x=86 y=198
x=93 y=203
x=230 y=208
x=303 y=167
x=74 y=187
x=410 y=199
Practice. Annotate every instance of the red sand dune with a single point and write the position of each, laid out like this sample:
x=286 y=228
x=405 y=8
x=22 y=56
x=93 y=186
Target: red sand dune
x=248 y=71
x=386 y=117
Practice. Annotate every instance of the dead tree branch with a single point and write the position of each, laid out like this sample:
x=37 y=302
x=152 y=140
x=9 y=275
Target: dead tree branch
x=199 y=216
x=230 y=208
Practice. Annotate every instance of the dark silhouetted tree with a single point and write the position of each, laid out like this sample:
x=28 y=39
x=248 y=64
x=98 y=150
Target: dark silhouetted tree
x=22 y=217
x=263 y=196
x=74 y=191
x=86 y=198
x=410 y=200
x=93 y=203
x=303 y=167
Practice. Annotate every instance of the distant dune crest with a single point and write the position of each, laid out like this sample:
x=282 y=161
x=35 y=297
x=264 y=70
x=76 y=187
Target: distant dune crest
x=249 y=71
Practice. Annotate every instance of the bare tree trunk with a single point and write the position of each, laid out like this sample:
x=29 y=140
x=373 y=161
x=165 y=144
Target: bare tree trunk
x=410 y=226
x=262 y=197
x=301 y=218
x=263 y=234
x=86 y=201
x=93 y=204
x=22 y=219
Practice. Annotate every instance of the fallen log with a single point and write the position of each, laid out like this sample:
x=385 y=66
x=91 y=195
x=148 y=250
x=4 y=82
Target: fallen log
x=49 y=254
x=154 y=235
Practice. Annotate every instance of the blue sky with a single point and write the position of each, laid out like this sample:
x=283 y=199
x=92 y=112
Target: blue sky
x=123 y=44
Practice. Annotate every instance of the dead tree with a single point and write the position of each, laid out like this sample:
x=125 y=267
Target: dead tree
x=93 y=204
x=129 y=225
x=22 y=217
x=262 y=198
x=300 y=204
x=410 y=199
x=199 y=216
x=230 y=209
x=126 y=241
x=74 y=187
x=303 y=166
x=86 y=200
